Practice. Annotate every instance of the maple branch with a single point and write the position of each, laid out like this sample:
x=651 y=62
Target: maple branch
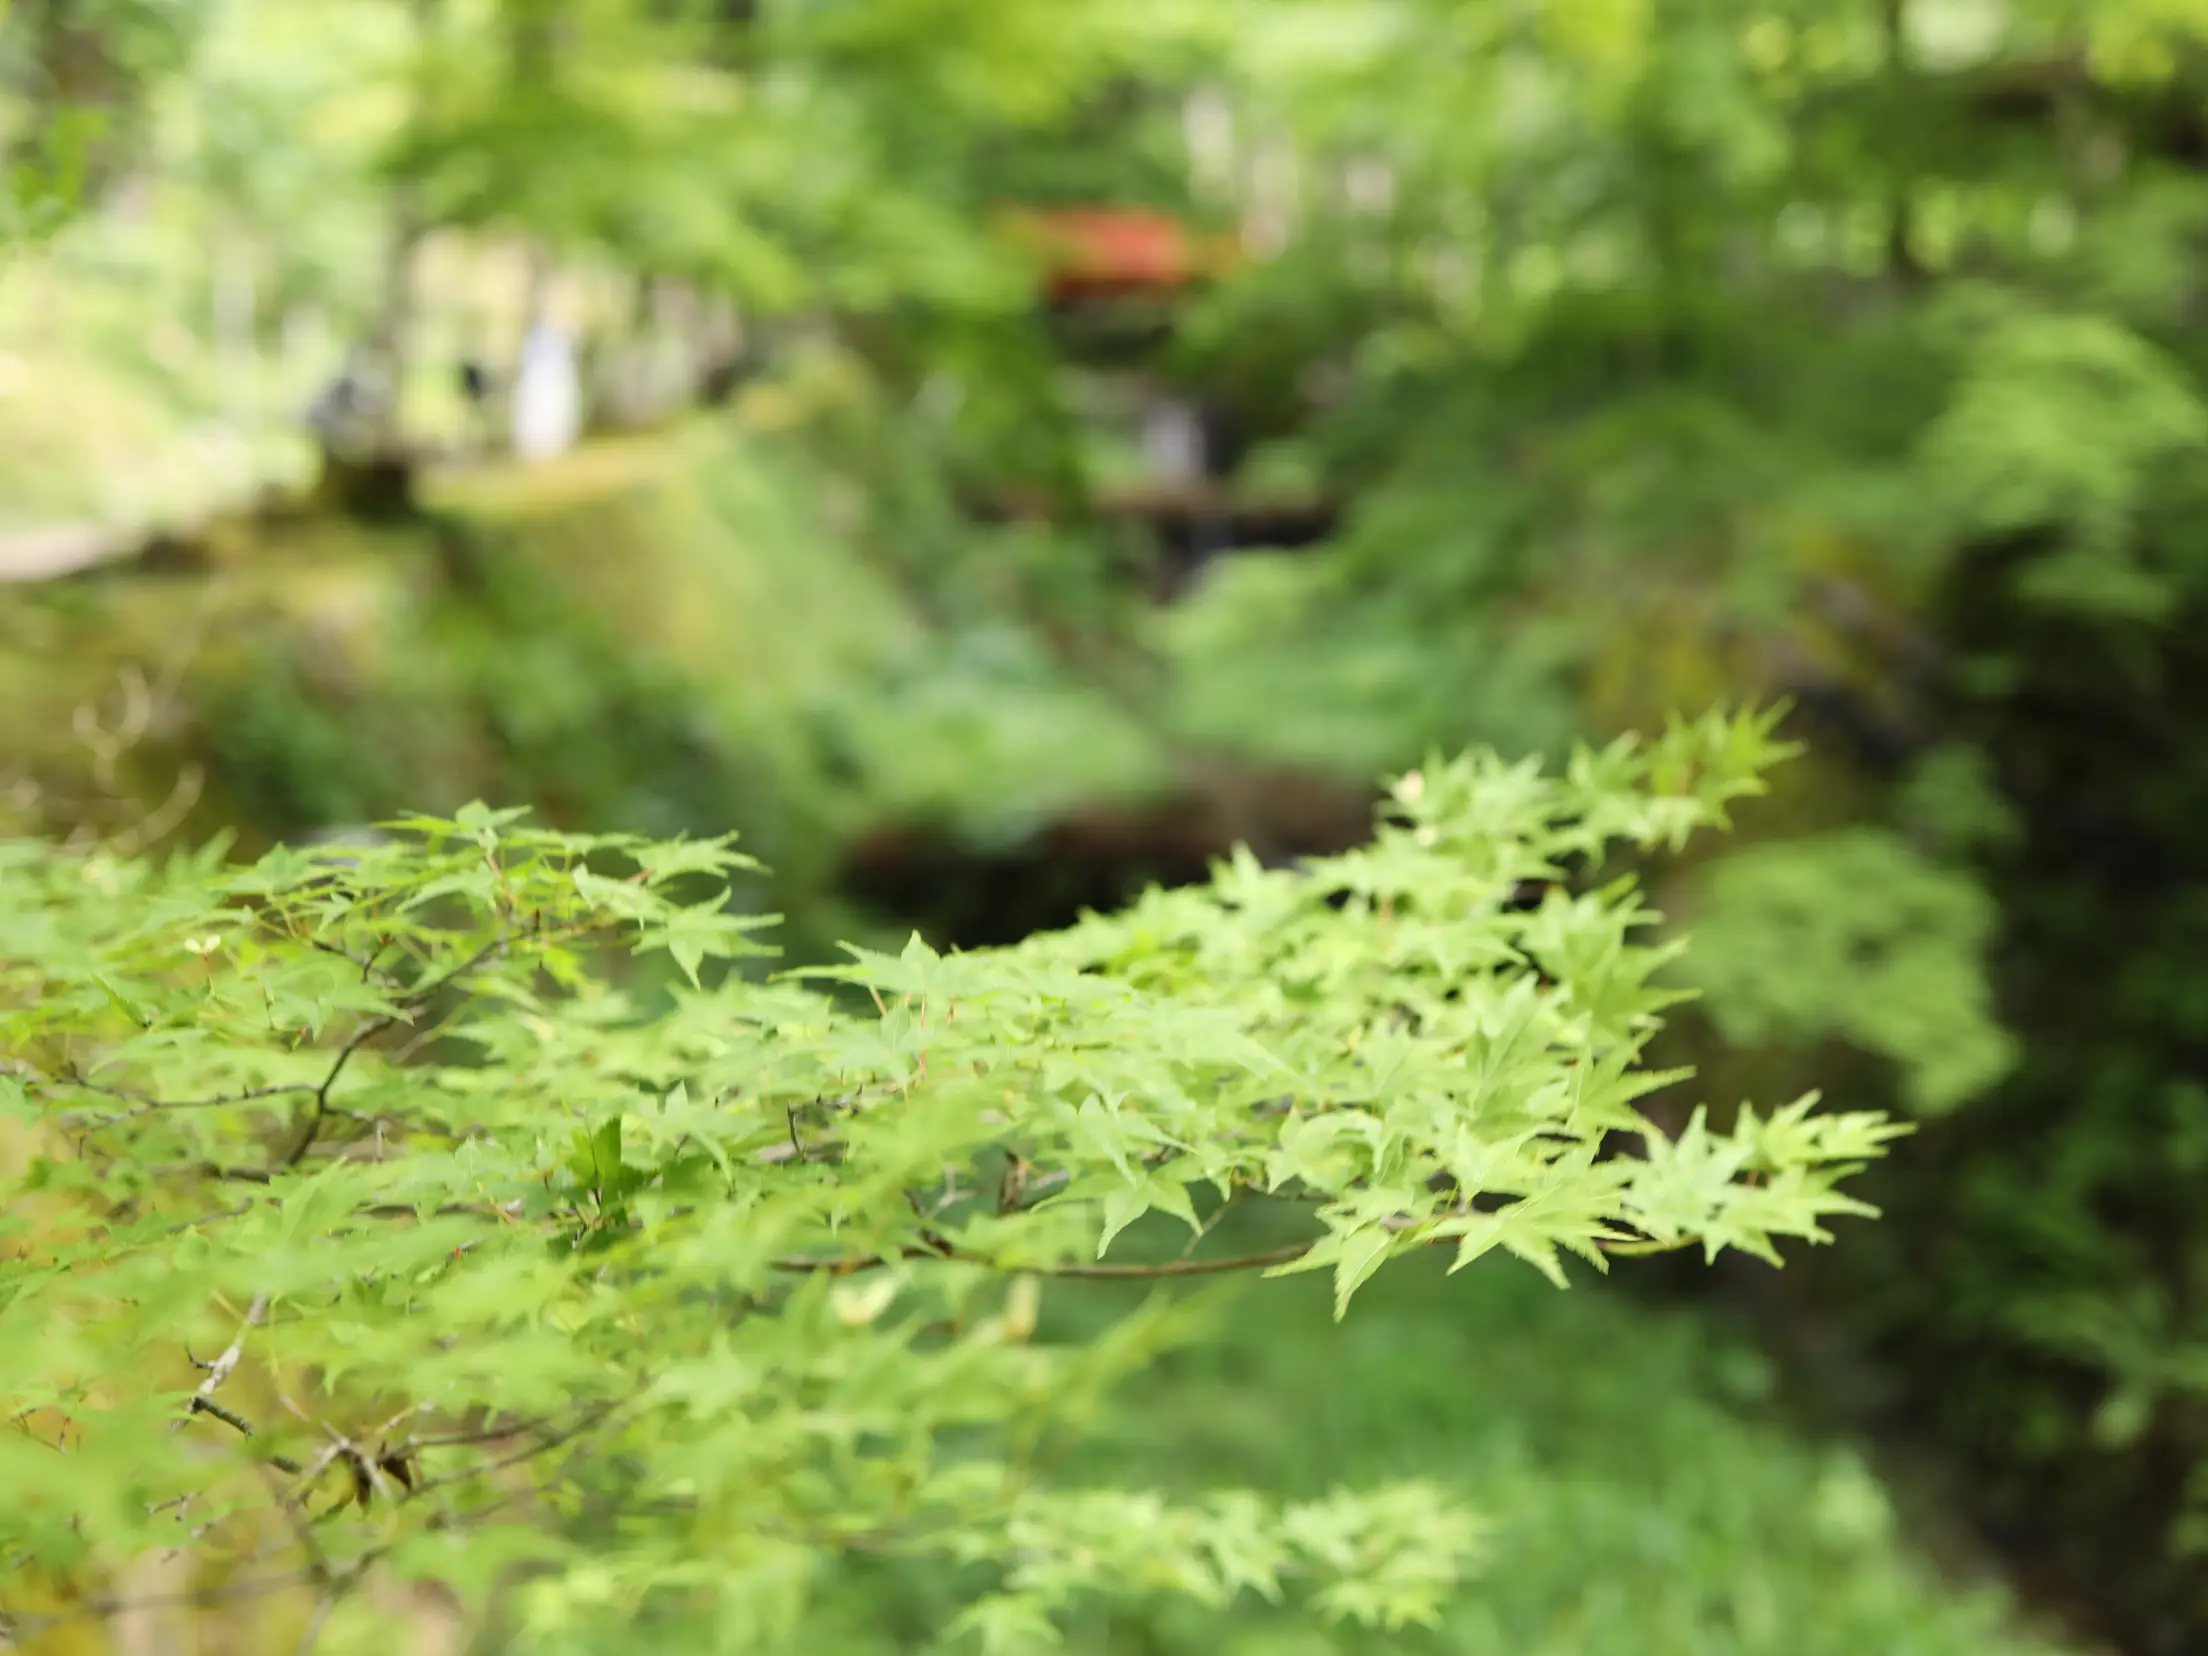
x=856 y=1264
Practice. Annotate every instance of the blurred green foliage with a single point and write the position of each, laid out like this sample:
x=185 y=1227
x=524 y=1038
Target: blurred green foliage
x=1640 y=1490
x=1854 y=936
x=1657 y=354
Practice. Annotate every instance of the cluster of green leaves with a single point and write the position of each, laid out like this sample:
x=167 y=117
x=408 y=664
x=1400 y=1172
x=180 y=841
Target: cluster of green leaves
x=581 y=1299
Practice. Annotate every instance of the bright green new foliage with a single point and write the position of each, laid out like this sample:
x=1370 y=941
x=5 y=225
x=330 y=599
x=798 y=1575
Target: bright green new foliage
x=506 y=1264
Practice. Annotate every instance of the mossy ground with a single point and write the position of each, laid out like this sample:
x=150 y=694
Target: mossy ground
x=659 y=632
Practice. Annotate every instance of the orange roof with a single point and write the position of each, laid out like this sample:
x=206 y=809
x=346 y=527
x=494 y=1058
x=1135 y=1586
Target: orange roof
x=1093 y=251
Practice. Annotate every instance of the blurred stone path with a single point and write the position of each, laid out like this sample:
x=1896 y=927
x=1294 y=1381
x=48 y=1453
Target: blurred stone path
x=62 y=549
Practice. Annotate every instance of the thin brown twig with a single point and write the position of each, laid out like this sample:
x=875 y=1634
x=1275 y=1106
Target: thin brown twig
x=854 y=1265
x=221 y=1368
x=311 y=1129
x=149 y=1105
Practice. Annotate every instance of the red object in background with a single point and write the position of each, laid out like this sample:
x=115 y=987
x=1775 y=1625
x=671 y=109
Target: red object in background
x=1113 y=252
